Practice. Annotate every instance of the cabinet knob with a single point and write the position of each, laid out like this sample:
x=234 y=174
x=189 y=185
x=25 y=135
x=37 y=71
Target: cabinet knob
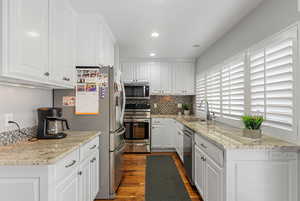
x=80 y=173
x=47 y=74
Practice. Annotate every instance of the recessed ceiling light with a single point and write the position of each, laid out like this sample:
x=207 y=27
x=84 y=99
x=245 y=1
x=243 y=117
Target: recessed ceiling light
x=152 y=54
x=154 y=35
x=196 y=45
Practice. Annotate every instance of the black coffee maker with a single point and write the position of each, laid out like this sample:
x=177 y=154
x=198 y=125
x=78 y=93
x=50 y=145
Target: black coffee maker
x=51 y=124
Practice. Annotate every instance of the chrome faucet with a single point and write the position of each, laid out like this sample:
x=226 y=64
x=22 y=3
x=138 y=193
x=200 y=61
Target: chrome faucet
x=206 y=109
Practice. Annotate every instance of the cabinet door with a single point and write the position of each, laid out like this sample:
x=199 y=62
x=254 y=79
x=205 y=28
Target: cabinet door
x=94 y=166
x=127 y=72
x=143 y=72
x=62 y=43
x=67 y=190
x=156 y=133
x=155 y=79
x=166 y=78
x=86 y=41
x=199 y=171
x=213 y=181
x=85 y=181
x=28 y=40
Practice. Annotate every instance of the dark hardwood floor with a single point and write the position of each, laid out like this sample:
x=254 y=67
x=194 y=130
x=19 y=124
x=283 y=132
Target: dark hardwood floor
x=132 y=187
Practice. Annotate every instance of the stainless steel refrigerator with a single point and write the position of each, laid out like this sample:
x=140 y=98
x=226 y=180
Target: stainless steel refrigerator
x=110 y=122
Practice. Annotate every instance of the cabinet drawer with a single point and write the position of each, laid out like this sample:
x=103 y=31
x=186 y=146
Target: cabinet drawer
x=67 y=165
x=87 y=149
x=211 y=150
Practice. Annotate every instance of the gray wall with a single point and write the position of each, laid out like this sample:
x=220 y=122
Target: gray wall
x=268 y=18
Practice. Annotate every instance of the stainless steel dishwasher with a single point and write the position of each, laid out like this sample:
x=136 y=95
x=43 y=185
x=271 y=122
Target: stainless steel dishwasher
x=188 y=153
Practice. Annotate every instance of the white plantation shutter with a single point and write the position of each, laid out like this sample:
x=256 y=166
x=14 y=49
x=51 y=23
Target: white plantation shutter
x=271 y=75
x=233 y=93
x=213 y=92
x=200 y=93
x=264 y=82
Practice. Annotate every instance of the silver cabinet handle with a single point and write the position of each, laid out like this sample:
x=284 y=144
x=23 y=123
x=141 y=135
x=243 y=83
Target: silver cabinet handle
x=202 y=145
x=71 y=164
x=66 y=79
x=47 y=74
x=93 y=160
x=93 y=147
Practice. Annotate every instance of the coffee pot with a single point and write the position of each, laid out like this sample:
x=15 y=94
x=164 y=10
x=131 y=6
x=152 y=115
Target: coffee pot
x=51 y=125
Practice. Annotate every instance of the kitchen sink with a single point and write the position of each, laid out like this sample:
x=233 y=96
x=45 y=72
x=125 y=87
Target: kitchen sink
x=194 y=119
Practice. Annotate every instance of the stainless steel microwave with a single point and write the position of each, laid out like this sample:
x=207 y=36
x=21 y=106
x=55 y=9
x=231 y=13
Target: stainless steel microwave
x=137 y=90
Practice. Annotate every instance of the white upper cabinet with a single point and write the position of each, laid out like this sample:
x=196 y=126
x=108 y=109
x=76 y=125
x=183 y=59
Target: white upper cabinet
x=94 y=42
x=25 y=39
x=166 y=78
x=62 y=40
x=89 y=41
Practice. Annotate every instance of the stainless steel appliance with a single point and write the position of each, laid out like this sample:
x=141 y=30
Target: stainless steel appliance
x=188 y=142
x=137 y=122
x=109 y=122
x=137 y=90
x=51 y=125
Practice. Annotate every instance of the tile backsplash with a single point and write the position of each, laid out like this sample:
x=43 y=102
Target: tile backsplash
x=14 y=136
x=169 y=104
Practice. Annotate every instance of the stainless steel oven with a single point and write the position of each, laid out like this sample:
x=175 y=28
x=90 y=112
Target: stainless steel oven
x=137 y=129
x=137 y=90
x=137 y=123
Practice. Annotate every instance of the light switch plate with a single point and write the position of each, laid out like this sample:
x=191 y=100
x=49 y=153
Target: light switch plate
x=179 y=105
x=155 y=105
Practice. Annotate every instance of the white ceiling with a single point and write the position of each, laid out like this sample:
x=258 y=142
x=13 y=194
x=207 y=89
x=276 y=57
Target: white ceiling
x=180 y=23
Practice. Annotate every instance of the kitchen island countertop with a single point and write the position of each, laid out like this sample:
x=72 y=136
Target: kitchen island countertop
x=44 y=152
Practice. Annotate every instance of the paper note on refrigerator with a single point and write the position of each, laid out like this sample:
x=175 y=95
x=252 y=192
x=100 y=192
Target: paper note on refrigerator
x=87 y=99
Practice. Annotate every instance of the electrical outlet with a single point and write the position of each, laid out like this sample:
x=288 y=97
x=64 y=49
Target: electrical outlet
x=155 y=105
x=8 y=117
x=179 y=105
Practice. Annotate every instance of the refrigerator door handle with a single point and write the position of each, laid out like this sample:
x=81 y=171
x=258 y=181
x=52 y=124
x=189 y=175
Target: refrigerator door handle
x=124 y=103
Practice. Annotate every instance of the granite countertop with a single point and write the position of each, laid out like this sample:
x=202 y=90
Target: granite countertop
x=44 y=152
x=229 y=137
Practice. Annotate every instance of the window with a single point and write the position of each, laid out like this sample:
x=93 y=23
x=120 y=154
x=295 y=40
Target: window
x=201 y=93
x=213 y=92
x=271 y=75
x=263 y=82
x=233 y=93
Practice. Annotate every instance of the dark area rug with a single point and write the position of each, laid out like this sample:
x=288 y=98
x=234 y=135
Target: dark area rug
x=163 y=182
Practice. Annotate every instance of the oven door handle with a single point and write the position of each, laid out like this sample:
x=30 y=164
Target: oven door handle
x=137 y=120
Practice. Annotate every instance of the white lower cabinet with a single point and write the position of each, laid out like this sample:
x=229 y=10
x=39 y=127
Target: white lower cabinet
x=94 y=168
x=73 y=178
x=163 y=133
x=85 y=180
x=199 y=178
x=89 y=178
x=244 y=175
x=68 y=188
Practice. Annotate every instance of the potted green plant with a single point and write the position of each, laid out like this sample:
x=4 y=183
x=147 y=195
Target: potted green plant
x=186 y=109
x=252 y=126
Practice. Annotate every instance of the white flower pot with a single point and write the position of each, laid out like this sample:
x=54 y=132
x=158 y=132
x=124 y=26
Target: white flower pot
x=186 y=112
x=254 y=134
